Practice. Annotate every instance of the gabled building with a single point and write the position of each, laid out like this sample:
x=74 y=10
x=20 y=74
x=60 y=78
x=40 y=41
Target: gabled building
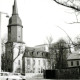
x=35 y=61
x=74 y=59
x=19 y=59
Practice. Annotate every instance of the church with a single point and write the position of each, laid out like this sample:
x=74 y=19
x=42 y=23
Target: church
x=18 y=57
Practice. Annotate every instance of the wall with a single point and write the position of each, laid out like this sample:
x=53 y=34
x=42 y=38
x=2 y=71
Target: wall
x=37 y=67
x=74 y=63
x=14 y=34
x=16 y=64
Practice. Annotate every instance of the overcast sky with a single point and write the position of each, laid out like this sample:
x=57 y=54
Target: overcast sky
x=40 y=19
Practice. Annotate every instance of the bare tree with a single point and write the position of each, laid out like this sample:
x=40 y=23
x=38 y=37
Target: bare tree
x=73 y=4
x=49 y=42
x=60 y=50
x=4 y=60
x=3 y=41
x=21 y=51
x=77 y=43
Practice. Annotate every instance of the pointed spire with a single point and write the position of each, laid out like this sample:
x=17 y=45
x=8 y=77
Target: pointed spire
x=15 y=19
x=15 y=10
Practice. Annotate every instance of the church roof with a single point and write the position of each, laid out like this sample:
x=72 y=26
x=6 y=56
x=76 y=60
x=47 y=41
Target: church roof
x=34 y=53
x=75 y=55
x=15 y=19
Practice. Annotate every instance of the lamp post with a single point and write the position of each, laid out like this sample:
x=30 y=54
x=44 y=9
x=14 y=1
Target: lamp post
x=0 y=36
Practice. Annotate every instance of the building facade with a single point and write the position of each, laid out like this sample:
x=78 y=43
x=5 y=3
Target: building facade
x=74 y=59
x=19 y=59
x=35 y=61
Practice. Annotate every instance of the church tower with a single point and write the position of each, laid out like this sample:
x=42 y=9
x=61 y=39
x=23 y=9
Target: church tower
x=14 y=42
x=15 y=26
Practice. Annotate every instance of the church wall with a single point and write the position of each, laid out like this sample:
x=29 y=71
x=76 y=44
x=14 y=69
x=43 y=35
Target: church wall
x=17 y=65
x=8 y=57
x=13 y=33
x=19 y=33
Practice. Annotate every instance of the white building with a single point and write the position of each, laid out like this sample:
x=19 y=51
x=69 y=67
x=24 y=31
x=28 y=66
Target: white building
x=35 y=61
x=43 y=47
x=74 y=59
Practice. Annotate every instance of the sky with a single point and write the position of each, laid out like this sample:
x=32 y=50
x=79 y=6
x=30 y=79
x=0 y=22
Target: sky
x=40 y=19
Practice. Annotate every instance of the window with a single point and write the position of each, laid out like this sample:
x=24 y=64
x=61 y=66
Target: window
x=77 y=63
x=37 y=53
x=28 y=61
x=44 y=63
x=39 y=70
x=71 y=63
x=33 y=70
x=39 y=62
x=33 y=62
x=32 y=53
x=18 y=62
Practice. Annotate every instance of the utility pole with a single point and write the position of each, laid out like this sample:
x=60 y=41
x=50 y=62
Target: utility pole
x=0 y=37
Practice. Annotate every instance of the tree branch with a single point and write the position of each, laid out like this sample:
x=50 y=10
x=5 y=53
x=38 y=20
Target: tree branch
x=74 y=6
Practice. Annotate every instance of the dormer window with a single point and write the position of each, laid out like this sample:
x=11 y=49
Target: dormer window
x=71 y=63
x=32 y=53
x=37 y=53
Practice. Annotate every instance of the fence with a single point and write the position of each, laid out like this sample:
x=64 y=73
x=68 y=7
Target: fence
x=68 y=73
